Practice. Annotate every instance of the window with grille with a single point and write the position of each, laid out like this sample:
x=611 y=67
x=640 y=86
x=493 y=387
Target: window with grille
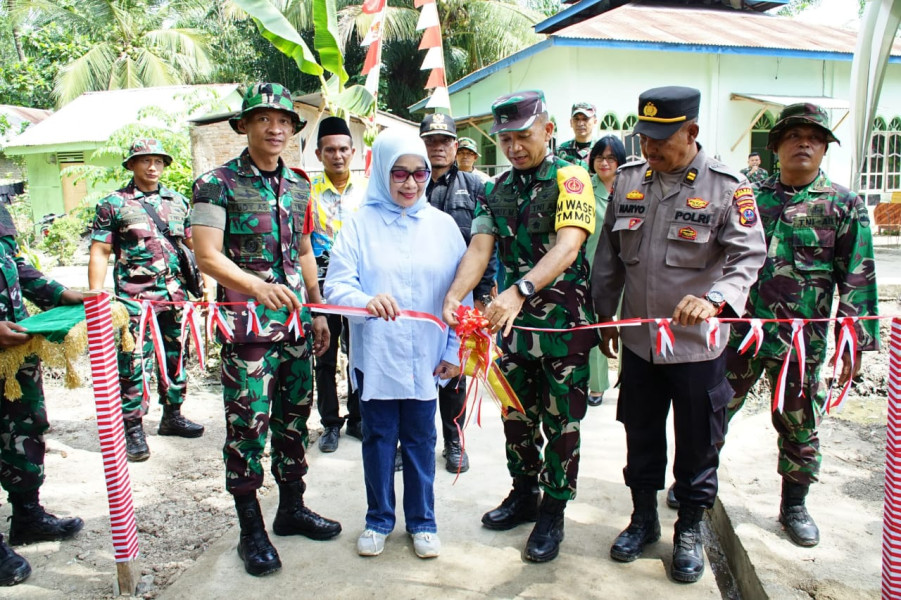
x=610 y=125
x=881 y=169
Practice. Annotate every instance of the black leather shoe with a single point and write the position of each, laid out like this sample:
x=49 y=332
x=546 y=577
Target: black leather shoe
x=520 y=506
x=596 y=399
x=799 y=525
x=398 y=461
x=688 y=546
x=328 y=441
x=13 y=568
x=135 y=443
x=354 y=430
x=456 y=459
x=544 y=541
x=643 y=529
x=671 y=497
x=294 y=518
x=174 y=423
x=30 y=523
x=254 y=548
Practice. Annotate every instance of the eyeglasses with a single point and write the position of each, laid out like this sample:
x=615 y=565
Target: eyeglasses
x=606 y=159
x=402 y=175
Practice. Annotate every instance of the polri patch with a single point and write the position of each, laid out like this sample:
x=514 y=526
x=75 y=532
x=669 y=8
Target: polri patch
x=697 y=203
x=635 y=195
x=634 y=223
x=747 y=211
x=688 y=233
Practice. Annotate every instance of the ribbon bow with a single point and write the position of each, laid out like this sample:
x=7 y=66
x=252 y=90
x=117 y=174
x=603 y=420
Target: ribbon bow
x=797 y=343
x=847 y=338
x=665 y=337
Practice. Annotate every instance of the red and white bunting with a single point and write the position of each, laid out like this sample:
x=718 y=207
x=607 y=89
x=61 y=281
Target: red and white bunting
x=891 y=544
x=665 y=339
x=190 y=325
x=754 y=336
x=373 y=41
x=430 y=24
x=217 y=321
x=253 y=319
x=148 y=315
x=847 y=339
x=797 y=343
x=293 y=325
x=713 y=333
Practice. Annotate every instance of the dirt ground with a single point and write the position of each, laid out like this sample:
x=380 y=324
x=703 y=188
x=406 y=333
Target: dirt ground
x=181 y=505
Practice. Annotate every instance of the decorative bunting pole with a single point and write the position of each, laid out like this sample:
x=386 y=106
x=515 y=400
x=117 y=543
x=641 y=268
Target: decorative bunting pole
x=434 y=58
x=111 y=429
x=372 y=67
x=891 y=525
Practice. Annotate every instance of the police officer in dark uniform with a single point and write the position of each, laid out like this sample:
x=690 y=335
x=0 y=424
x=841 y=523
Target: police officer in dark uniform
x=681 y=238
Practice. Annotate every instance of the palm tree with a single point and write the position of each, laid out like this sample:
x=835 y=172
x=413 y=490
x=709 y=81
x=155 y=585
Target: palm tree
x=135 y=44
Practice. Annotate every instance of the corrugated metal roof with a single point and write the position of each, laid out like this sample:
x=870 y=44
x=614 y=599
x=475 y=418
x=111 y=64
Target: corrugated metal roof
x=19 y=116
x=652 y=22
x=94 y=116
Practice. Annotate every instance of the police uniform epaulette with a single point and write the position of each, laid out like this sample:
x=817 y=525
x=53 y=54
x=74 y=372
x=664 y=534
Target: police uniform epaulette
x=725 y=169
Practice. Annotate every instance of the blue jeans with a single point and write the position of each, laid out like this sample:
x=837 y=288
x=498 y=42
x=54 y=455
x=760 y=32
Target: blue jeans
x=412 y=422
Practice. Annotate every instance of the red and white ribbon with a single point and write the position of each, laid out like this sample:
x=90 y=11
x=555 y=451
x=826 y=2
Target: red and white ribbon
x=797 y=343
x=665 y=337
x=217 y=321
x=754 y=336
x=253 y=319
x=847 y=338
x=713 y=333
x=294 y=325
x=353 y=311
x=190 y=325
x=148 y=315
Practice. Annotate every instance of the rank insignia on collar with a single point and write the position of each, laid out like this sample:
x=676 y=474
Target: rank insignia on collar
x=691 y=176
x=696 y=203
x=648 y=175
x=688 y=233
x=635 y=195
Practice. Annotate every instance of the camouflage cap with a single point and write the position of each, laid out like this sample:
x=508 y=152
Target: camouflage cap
x=517 y=111
x=145 y=147
x=465 y=143
x=267 y=95
x=584 y=108
x=802 y=113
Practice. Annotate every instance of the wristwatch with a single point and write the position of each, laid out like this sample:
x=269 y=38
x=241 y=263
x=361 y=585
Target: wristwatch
x=716 y=299
x=526 y=288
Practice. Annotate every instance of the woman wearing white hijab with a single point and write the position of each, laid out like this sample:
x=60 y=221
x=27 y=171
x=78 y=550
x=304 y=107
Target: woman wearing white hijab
x=397 y=253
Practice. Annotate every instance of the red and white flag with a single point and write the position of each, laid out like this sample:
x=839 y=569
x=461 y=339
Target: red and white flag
x=430 y=24
x=190 y=325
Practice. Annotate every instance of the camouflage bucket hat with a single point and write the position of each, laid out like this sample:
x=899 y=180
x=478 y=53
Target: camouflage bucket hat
x=145 y=147
x=803 y=113
x=267 y=95
x=465 y=143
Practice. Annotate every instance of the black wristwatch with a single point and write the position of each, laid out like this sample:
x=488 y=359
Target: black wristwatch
x=526 y=288
x=716 y=299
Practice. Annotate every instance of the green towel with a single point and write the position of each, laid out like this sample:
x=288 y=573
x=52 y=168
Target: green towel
x=55 y=323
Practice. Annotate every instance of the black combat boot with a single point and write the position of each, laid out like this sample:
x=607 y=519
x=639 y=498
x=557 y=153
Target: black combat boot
x=259 y=555
x=794 y=516
x=294 y=518
x=520 y=506
x=30 y=523
x=544 y=541
x=643 y=529
x=671 y=497
x=688 y=547
x=13 y=568
x=174 y=423
x=135 y=442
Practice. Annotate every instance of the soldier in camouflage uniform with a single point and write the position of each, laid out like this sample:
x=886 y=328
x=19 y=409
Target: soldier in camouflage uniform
x=252 y=232
x=583 y=120
x=820 y=242
x=680 y=239
x=540 y=212
x=146 y=269
x=754 y=172
x=23 y=422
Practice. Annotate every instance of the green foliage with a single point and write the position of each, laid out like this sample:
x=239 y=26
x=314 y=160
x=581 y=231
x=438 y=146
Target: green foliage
x=20 y=210
x=62 y=238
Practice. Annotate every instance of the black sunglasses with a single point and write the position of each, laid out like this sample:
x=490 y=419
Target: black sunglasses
x=401 y=175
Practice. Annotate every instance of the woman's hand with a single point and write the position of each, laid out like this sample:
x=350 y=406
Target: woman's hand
x=446 y=370
x=383 y=306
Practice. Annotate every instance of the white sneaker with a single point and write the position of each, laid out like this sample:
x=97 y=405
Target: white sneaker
x=426 y=544
x=371 y=543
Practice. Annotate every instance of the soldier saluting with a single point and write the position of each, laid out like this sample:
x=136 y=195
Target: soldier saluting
x=252 y=235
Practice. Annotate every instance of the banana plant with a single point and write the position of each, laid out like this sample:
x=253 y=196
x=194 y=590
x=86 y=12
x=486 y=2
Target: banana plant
x=342 y=101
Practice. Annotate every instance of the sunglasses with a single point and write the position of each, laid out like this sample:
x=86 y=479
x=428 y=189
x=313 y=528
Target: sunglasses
x=402 y=175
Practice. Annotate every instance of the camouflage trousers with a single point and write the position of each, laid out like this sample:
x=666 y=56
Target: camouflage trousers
x=131 y=368
x=797 y=424
x=23 y=423
x=554 y=394
x=265 y=386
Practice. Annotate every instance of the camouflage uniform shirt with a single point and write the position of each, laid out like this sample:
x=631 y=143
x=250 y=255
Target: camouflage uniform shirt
x=524 y=211
x=818 y=241
x=757 y=176
x=262 y=232
x=575 y=152
x=146 y=263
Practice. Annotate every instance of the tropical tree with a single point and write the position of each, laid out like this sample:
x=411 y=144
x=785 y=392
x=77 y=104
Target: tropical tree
x=134 y=43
